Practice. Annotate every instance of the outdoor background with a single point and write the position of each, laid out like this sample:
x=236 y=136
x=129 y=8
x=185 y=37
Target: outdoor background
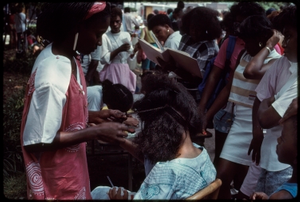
x=16 y=71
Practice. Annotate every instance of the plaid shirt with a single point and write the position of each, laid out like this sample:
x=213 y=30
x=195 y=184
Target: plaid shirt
x=202 y=51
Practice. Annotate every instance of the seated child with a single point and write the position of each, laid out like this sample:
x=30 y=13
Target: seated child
x=111 y=96
x=287 y=153
x=169 y=118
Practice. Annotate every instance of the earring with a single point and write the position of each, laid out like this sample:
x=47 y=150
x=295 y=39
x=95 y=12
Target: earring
x=168 y=30
x=75 y=41
x=260 y=44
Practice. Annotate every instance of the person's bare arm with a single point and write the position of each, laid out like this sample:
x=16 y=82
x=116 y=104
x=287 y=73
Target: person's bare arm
x=256 y=68
x=123 y=47
x=267 y=115
x=291 y=110
x=112 y=132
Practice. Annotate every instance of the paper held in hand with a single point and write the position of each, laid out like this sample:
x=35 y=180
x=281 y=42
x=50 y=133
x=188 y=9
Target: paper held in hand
x=182 y=59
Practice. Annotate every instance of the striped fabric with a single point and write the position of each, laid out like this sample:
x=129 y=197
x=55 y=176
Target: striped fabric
x=243 y=90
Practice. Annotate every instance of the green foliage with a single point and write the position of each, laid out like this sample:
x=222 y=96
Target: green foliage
x=132 y=9
x=15 y=186
x=22 y=65
x=12 y=116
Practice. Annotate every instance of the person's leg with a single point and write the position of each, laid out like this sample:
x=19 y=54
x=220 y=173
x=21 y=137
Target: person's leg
x=250 y=182
x=227 y=171
x=219 y=142
x=19 y=41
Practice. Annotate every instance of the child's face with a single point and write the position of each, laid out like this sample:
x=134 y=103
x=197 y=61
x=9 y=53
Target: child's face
x=289 y=43
x=286 y=148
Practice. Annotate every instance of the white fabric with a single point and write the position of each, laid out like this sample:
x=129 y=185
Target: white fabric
x=242 y=89
x=242 y=93
x=20 y=22
x=53 y=73
x=271 y=83
x=95 y=97
x=173 y=41
x=237 y=143
x=112 y=41
x=85 y=62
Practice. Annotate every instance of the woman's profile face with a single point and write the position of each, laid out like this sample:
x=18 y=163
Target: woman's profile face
x=290 y=43
x=90 y=35
x=161 y=32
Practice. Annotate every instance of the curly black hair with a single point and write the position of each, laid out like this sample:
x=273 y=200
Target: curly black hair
x=203 y=19
x=246 y=9
x=159 y=20
x=288 y=17
x=175 y=112
x=57 y=20
x=256 y=26
x=116 y=12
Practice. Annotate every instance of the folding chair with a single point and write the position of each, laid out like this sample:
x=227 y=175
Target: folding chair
x=209 y=192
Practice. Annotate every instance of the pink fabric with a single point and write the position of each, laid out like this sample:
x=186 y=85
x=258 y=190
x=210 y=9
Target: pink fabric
x=221 y=57
x=96 y=8
x=278 y=49
x=63 y=173
x=119 y=73
x=140 y=56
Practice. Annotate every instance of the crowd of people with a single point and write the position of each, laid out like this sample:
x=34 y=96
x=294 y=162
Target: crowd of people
x=82 y=88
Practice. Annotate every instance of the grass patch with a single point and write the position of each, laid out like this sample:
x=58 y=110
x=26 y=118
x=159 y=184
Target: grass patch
x=14 y=187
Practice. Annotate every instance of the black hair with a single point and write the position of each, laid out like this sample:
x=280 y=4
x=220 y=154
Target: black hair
x=203 y=19
x=177 y=10
x=256 y=26
x=169 y=11
x=162 y=129
x=269 y=11
x=116 y=12
x=126 y=10
x=288 y=17
x=57 y=20
x=180 y=4
x=116 y=96
x=159 y=20
x=246 y=9
x=149 y=16
x=227 y=23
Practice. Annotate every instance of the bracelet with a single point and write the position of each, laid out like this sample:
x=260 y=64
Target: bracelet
x=268 y=49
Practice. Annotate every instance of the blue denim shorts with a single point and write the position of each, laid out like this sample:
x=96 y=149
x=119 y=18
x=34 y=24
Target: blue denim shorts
x=223 y=121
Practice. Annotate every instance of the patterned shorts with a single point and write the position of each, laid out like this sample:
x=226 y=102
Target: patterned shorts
x=269 y=181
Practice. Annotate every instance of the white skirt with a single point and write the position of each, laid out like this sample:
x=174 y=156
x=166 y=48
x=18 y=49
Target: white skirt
x=237 y=143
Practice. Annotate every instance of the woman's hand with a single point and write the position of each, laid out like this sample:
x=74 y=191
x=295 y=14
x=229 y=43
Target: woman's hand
x=106 y=115
x=277 y=36
x=111 y=132
x=124 y=47
x=259 y=196
x=131 y=121
x=118 y=193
